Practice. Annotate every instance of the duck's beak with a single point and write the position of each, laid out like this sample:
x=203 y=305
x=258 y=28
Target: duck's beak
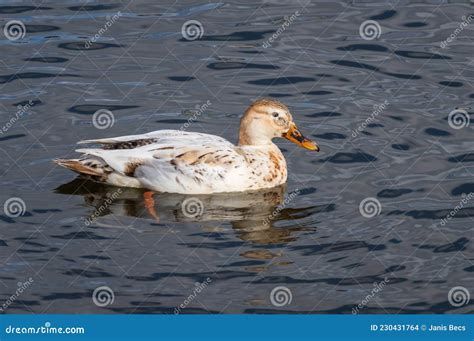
x=295 y=136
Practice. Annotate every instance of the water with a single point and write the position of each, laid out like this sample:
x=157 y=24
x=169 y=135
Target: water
x=318 y=245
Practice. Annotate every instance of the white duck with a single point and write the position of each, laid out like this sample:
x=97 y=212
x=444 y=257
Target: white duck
x=176 y=161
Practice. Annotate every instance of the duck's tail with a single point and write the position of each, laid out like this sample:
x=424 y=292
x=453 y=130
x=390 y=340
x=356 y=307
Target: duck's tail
x=89 y=166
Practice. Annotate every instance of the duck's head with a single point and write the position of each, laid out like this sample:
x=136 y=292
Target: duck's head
x=266 y=119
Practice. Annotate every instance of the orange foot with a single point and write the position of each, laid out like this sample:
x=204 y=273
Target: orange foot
x=150 y=204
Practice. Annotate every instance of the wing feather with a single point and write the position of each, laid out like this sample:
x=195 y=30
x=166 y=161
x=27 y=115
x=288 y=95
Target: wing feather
x=175 y=161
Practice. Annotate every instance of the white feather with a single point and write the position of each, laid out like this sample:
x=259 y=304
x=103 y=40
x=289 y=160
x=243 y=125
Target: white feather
x=185 y=162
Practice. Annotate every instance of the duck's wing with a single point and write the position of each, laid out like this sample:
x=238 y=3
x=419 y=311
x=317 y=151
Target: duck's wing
x=173 y=161
x=159 y=136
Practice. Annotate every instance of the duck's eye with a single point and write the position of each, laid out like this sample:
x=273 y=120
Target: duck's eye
x=275 y=114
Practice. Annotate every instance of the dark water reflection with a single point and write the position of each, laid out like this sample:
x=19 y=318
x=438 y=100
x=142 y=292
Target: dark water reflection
x=71 y=239
x=252 y=215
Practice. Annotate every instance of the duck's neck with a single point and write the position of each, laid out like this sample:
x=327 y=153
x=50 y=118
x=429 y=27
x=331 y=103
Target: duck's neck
x=252 y=134
x=246 y=138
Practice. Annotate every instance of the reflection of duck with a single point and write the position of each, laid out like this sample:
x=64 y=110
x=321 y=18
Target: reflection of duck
x=175 y=161
x=251 y=214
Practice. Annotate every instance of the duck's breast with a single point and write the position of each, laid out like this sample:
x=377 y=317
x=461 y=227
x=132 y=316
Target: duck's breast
x=267 y=166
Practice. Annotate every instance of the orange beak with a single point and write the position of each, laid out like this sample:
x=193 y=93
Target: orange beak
x=295 y=136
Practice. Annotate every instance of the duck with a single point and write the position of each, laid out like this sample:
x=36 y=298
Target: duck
x=178 y=161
